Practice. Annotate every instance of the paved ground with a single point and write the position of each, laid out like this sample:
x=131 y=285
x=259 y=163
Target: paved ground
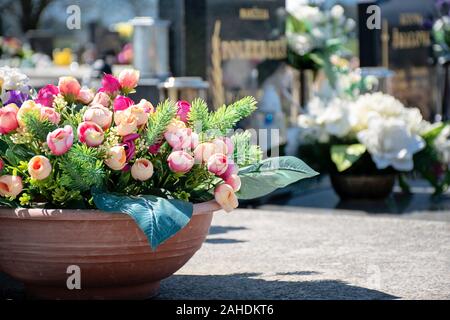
x=313 y=254
x=319 y=248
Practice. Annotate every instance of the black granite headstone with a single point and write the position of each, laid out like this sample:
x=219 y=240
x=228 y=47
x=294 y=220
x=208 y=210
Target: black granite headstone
x=403 y=44
x=234 y=44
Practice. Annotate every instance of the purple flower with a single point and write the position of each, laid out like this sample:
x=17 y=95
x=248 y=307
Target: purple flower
x=16 y=97
x=130 y=147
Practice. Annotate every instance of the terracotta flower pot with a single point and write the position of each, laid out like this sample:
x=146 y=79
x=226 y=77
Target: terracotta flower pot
x=363 y=186
x=116 y=262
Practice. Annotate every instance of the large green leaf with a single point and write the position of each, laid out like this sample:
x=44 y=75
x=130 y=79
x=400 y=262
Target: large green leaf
x=344 y=156
x=265 y=177
x=158 y=218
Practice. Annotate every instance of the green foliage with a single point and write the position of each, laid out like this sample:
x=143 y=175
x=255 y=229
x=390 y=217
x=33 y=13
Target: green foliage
x=265 y=177
x=199 y=113
x=344 y=156
x=159 y=121
x=245 y=152
x=38 y=128
x=82 y=168
x=226 y=117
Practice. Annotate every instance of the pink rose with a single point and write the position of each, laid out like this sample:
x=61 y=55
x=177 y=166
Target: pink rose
x=180 y=139
x=234 y=181
x=183 y=110
x=100 y=115
x=142 y=170
x=126 y=122
x=230 y=145
x=10 y=186
x=60 y=140
x=85 y=96
x=47 y=95
x=117 y=158
x=204 y=151
x=2 y=164
x=69 y=87
x=231 y=169
x=225 y=197
x=154 y=149
x=102 y=98
x=122 y=103
x=50 y=114
x=90 y=134
x=39 y=168
x=110 y=85
x=140 y=113
x=128 y=79
x=218 y=164
x=8 y=119
x=180 y=162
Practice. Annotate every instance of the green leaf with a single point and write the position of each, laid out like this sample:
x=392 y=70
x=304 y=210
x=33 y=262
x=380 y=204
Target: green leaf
x=158 y=218
x=271 y=174
x=344 y=156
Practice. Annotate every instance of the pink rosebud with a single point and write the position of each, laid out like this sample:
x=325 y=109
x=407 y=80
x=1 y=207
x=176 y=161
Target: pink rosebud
x=230 y=145
x=128 y=79
x=175 y=125
x=39 y=168
x=69 y=87
x=180 y=139
x=60 y=140
x=10 y=186
x=231 y=169
x=8 y=119
x=117 y=158
x=142 y=170
x=180 y=162
x=47 y=95
x=110 y=85
x=183 y=110
x=147 y=106
x=90 y=134
x=100 y=115
x=2 y=164
x=204 y=151
x=122 y=103
x=102 y=98
x=218 y=164
x=195 y=140
x=225 y=197
x=85 y=96
x=234 y=181
x=50 y=114
x=220 y=145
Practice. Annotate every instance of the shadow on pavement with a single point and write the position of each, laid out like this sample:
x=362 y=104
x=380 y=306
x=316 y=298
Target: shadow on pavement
x=247 y=286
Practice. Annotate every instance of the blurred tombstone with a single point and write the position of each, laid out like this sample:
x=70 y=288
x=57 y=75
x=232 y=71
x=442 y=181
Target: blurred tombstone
x=41 y=41
x=183 y=88
x=239 y=47
x=403 y=44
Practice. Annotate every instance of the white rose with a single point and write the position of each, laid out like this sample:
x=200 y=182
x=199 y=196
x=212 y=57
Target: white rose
x=335 y=118
x=390 y=143
x=337 y=12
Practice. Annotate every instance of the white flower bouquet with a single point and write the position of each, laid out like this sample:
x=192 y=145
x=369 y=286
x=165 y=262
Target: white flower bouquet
x=375 y=135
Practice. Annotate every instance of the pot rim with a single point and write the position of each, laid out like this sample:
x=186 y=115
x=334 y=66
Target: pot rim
x=89 y=214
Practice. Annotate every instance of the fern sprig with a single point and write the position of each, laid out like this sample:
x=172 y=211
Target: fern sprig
x=38 y=128
x=159 y=121
x=199 y=114
x=226 y=117
x=82 y=168
x=245 y=153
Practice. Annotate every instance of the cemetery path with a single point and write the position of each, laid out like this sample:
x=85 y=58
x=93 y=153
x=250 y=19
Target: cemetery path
x=275 y=254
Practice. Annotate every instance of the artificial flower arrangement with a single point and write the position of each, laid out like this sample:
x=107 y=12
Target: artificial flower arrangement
x=66 y=147
x=374 y=134
x=441 y=30
x=314 y=35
